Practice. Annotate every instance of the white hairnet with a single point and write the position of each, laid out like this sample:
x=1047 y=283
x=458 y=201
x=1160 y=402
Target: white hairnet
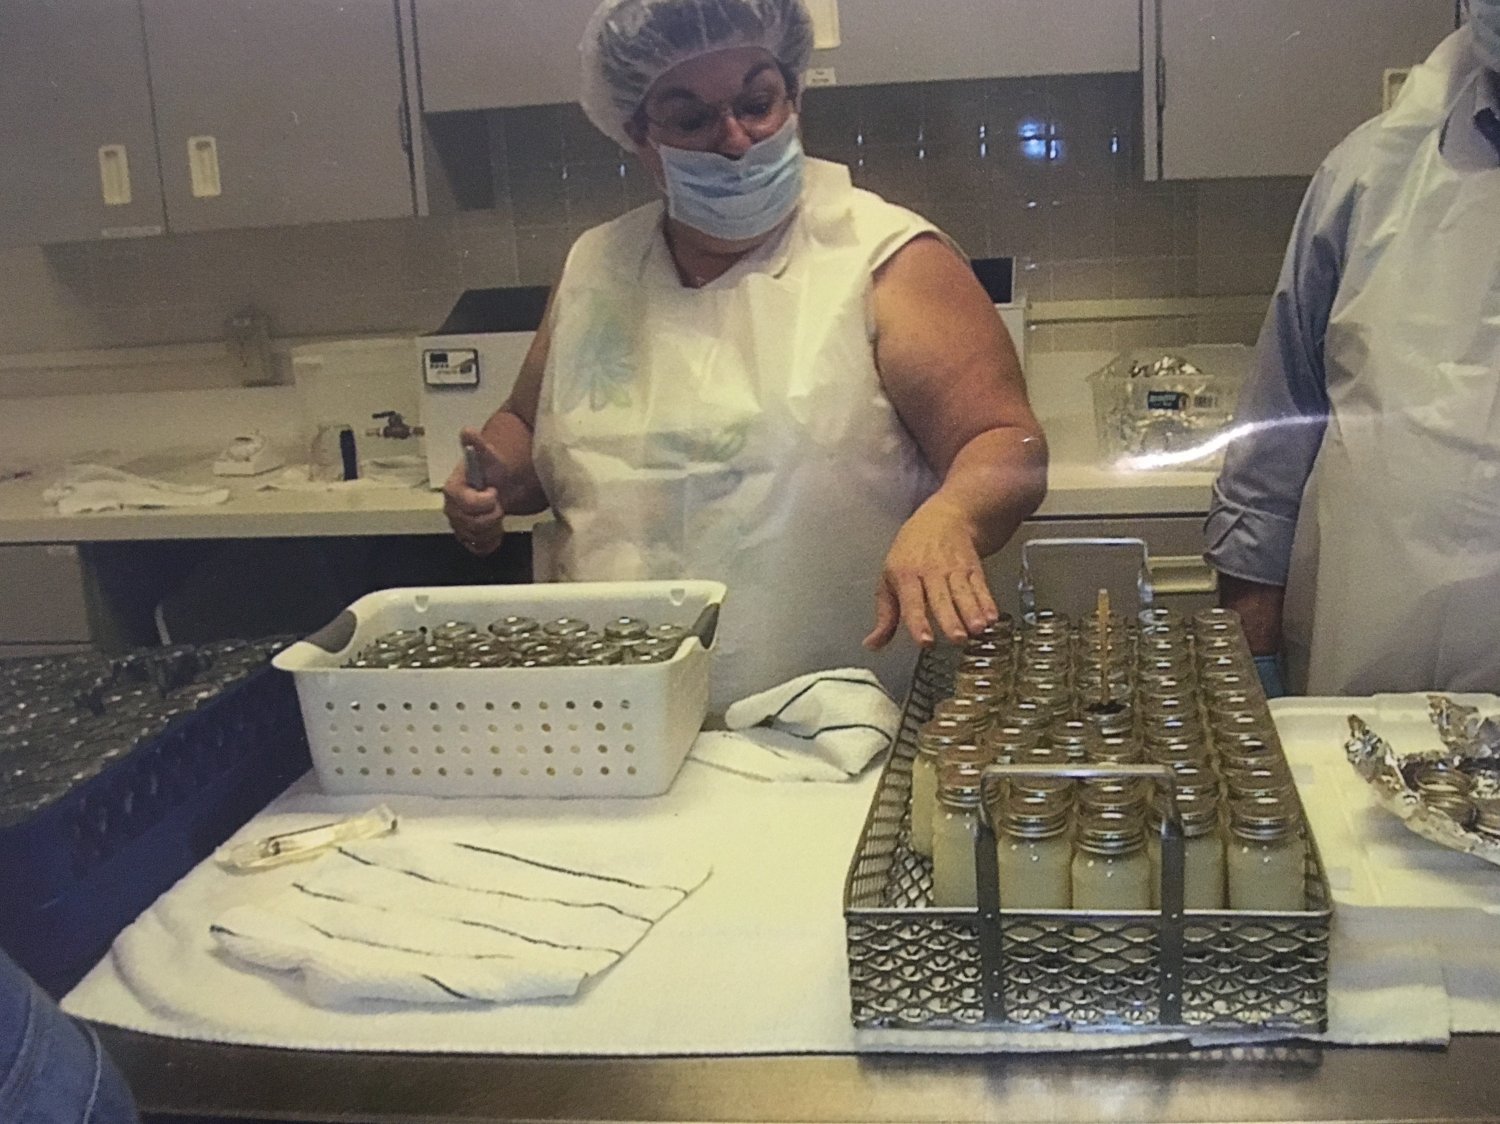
x=629 y=44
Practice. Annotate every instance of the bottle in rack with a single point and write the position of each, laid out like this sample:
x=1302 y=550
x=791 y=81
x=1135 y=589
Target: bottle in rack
x=1033 y=852
x=1110 y=868
x=1267 y=856
x=955 y=827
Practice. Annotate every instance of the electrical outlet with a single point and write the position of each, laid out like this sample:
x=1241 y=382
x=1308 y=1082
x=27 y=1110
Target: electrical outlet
x=822 y=76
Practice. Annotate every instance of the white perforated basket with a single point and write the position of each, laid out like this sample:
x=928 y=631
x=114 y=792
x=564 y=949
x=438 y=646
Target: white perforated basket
x=553 y=731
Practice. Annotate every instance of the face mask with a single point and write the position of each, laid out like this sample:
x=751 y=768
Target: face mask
x=1484 y=17
x=735 y=200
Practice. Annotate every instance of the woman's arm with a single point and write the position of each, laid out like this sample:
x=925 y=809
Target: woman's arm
x=503 y=447
x=950 y=369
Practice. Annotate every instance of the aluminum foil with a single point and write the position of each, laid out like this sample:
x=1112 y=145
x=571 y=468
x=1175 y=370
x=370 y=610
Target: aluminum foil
x=1471 y=751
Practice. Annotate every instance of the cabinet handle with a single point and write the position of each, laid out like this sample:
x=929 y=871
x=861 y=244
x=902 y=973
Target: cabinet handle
x=114 y=175
x=203 y=167
x=1180 y=574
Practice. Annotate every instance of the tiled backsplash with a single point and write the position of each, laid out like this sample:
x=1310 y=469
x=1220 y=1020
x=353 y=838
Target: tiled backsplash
x=1046 y=170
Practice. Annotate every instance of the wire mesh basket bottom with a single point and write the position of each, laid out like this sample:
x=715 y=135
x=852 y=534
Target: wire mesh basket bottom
x=913 y=966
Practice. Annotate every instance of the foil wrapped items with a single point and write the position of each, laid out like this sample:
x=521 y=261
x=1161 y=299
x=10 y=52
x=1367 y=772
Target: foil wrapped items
x=1449 y=796
x=1167 y=407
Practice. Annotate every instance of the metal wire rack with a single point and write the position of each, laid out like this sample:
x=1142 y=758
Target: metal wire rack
x=915 y=966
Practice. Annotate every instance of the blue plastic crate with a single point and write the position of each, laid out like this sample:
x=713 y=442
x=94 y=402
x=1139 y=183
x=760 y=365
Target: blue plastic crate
x=81 y=869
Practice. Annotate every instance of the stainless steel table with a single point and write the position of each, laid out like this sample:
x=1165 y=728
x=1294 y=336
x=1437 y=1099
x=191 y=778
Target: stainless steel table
x=1267 y=1083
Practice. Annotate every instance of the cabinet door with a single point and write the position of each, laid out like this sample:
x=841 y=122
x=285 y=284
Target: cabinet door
x=295 y=107
x=487 y=54
x=901 y=41
x=75 y=108
x=46 y=600
x=1268 y=87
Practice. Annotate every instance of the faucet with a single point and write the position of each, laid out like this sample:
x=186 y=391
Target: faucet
x=395 y=426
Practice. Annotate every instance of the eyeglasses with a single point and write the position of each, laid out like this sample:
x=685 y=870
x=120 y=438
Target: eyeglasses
x=696 y=125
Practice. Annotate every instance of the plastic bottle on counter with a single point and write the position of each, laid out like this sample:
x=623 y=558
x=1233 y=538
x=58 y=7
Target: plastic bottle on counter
x=1110 y=868
x=1034 y=853
x=954 y=830
x=1267 y=856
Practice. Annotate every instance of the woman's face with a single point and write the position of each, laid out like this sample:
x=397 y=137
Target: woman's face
x=723 y=102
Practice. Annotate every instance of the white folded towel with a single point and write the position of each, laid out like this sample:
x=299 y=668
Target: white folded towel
x=87 y=488
x=446 y=921
x=824 y=726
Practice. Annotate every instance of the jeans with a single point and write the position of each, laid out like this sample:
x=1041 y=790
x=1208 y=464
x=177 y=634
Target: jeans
x=52 y=1070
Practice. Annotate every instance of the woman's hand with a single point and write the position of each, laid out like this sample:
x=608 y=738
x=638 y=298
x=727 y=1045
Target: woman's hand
x=475 y=514
x=933 y=574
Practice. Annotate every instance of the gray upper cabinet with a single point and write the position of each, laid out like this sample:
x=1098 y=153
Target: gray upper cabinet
x=275 y=112
x=484 y=54
x=75 y=123
x=489 y=54
x=1268 y=87
x=906 y=41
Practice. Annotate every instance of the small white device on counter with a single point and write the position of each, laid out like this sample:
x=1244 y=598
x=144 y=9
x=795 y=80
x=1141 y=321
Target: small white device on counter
x=247 y=455
x=470 y=364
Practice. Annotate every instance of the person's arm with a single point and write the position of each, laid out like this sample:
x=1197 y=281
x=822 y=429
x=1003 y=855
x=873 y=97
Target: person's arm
x=1283 y=408
x=503 y=446
x=950 y=369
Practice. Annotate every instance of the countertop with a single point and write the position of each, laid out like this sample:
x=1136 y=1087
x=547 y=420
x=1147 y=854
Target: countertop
x=1291 y=1082
x=1077 y=486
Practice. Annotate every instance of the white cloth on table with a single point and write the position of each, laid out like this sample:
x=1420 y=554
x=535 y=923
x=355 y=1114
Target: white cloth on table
x=824 y=726
x=453 y=921
x=83 y=489
x=754 y=962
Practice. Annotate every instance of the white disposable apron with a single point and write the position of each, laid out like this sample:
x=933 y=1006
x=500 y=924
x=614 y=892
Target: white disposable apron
x=1395 y=574
x=737 y=432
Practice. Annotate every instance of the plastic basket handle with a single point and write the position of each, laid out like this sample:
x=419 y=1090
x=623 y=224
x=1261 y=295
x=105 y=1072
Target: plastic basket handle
x=336 y=634
x=707 y=624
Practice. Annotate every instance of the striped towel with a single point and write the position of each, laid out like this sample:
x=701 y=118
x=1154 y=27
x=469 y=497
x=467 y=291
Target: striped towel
x=445 y=921
x=825 y=726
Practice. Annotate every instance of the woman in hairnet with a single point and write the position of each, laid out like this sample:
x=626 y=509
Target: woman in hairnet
x=775 y=380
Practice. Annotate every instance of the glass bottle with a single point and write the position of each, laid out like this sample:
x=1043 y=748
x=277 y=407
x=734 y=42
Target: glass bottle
x=964 y=710
x=1006 y=744
x=980 y=684
x=1110 y=868
x=954 y=830
x=1267 y=856
x=1160 y=620
x=1203 y=882
x=1034 y=853
x=932 y=737
x=1247 y=752
x=1215 y=620
x=1026 y=714
x=1077 y=739
x=1272 y=778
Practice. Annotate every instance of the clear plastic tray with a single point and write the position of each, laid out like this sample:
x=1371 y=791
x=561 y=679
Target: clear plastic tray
x=1171 y=419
